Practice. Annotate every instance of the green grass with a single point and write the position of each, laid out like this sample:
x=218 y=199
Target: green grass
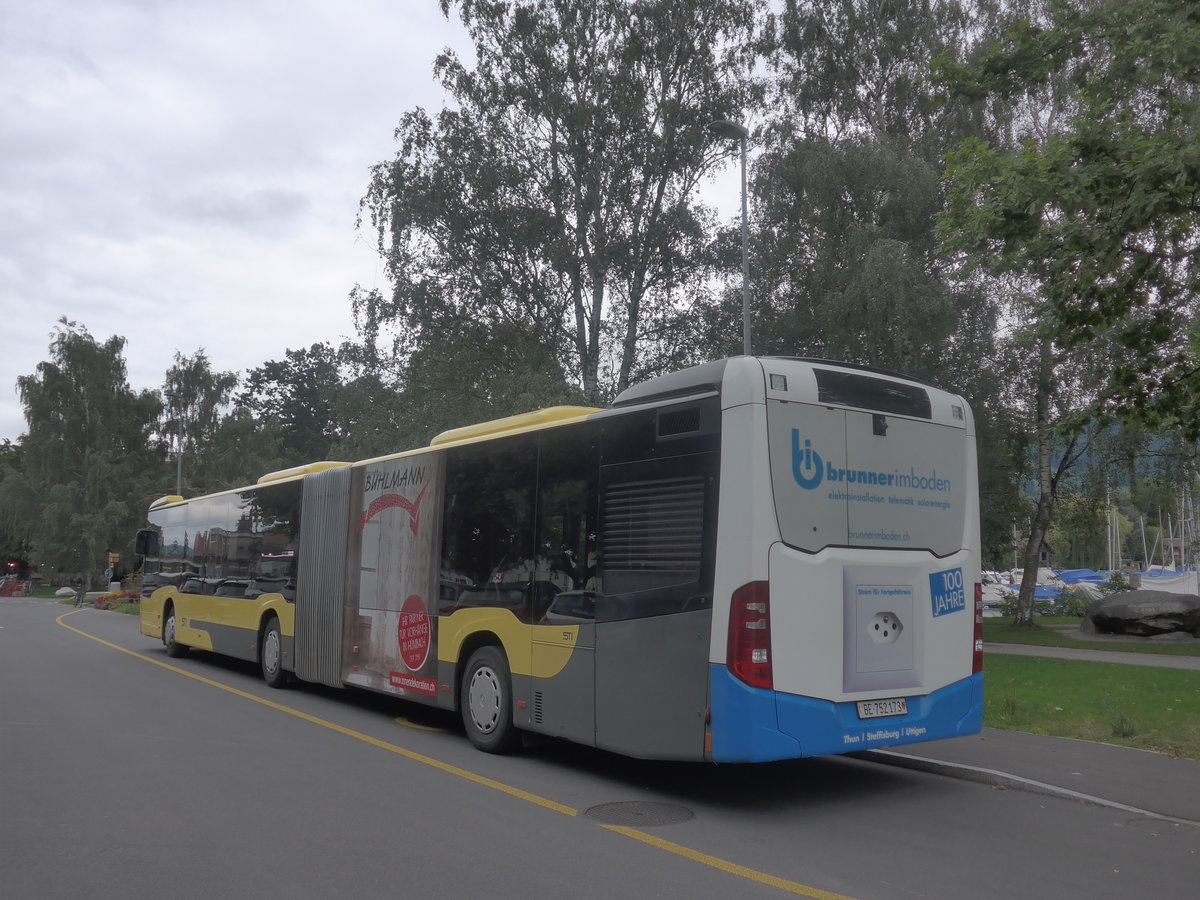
x=1136 y=706
x=1002 y=631
x=47 y=593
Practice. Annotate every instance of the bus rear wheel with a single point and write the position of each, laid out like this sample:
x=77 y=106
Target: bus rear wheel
x=485 y=701
x=271 y=655
x=174 y=648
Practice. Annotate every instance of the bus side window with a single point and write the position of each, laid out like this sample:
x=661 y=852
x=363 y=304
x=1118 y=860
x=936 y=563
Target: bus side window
x=567 y=507
x=487 y=528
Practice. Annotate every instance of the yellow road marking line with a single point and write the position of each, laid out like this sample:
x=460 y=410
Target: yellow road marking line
x=409 y=723
x=792 y=887
x=332 y=726
x=715 y=862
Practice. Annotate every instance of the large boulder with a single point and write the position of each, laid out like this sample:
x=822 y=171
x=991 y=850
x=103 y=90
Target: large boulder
x=1143 y=613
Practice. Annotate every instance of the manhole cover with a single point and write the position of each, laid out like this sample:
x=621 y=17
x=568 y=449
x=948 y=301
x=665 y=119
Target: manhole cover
x=638 y=813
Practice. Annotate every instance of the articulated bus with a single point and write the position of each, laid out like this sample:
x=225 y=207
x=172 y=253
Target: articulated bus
x=752 y=559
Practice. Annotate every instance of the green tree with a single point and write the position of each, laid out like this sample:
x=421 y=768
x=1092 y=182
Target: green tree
x=555 y=197
x=195 y=396
x=88 y=457
x=1079 y=533
x=1100 y=207
x=242 y=449
x=1081 y=201
x=14 y=542
x=847 y=265
x=299 y=394
x=482 y=374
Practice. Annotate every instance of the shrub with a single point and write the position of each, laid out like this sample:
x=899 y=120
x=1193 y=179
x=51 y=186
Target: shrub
x=1072 y=602
x=113 y=600
x=1117 y=581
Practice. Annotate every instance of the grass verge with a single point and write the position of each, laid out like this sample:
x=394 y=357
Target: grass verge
x=1004 y=632
x=1135 y=706
x=129 y=609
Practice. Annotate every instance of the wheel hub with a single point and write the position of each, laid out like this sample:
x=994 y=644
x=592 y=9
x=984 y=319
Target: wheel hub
x=271 y=651
x=484 y=699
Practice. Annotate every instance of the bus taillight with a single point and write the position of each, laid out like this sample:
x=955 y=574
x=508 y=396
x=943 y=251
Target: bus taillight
x=749 y=649
x=977 y=652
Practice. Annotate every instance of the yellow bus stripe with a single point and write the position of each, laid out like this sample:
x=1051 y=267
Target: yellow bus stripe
x=722 y=865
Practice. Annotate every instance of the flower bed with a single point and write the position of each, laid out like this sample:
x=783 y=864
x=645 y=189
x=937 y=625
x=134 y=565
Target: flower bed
x=115 y=599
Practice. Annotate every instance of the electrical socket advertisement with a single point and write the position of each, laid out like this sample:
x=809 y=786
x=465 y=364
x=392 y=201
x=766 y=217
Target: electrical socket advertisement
x=881 y=633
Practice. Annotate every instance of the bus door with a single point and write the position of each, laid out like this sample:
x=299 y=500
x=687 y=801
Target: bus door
x=654 y=611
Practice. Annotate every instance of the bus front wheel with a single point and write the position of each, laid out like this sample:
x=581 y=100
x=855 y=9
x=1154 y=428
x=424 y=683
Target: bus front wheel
x=486 y=702
x=271 y=655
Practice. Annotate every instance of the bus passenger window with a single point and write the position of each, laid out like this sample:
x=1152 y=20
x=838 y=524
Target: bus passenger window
x=567 y=503
x=487 y=528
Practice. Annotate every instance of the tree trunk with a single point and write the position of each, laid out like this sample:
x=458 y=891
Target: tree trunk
x=1046 y=485
x=1037 y=533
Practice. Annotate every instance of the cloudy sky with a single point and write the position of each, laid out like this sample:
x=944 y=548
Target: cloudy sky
x=186 y=173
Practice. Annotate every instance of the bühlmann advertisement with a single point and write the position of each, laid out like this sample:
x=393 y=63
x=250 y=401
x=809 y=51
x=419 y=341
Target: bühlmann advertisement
x=391 y=604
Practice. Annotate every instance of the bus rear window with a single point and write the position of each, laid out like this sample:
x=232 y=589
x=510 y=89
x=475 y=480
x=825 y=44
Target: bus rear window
x=876 y=394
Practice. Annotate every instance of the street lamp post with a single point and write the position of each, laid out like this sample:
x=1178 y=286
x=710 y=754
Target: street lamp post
x=735 y=131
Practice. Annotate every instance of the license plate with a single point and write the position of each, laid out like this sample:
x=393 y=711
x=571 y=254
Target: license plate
x=874 y=709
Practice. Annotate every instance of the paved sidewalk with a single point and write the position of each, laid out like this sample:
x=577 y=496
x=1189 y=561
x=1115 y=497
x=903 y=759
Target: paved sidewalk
x=1160 y=660
x=1137 y=781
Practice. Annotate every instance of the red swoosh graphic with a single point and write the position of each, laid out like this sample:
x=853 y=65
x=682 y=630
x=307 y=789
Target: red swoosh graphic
x=387 y=501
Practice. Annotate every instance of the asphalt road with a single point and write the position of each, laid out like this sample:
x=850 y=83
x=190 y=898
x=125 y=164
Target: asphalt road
x=121 y=776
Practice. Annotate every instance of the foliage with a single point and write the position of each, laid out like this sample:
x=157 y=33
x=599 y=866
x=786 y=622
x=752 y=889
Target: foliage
x=1003 y=462
x=846 y=263
x=194 y=397
x=13 y=544
x=1078 y=532
x=555 y=197
x=88 y=456
x=999 y=231
x=241 y=449
x=480 y=375
x=1117 y=581
x=847 y=188
x=300 y=395
x=1070 y=602
x=1100 y=209
x=116 y=599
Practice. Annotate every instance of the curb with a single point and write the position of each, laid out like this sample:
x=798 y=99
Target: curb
x=996 y=778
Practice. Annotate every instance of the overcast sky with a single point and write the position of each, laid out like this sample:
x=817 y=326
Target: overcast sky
x=186 y=173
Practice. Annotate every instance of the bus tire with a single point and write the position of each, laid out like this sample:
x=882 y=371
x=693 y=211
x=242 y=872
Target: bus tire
x=485 y=701
x=174 y=648
x=270 y=655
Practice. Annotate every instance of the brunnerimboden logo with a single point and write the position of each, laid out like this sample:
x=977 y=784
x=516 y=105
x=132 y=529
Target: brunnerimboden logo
x=810 y=470
x=807 y=465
